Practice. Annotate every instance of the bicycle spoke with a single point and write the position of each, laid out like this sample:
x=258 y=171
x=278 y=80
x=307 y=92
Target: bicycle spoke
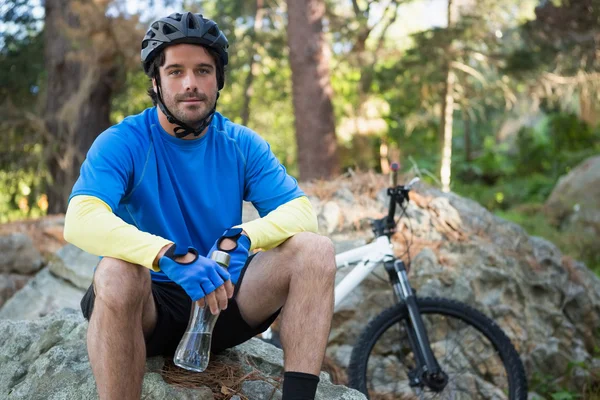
x=474 y=369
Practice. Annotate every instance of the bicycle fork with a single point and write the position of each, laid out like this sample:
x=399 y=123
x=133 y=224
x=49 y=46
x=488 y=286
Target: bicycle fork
x=427 y=371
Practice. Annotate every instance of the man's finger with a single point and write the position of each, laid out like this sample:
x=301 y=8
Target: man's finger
x=221 y=297
x=229 y=289
x=211 y=300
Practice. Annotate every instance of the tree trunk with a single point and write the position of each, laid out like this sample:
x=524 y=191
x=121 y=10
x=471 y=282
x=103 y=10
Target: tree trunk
x=447 y=114
x=80 y=79
x=312 y=92
x=258 y=17
x=448 y=110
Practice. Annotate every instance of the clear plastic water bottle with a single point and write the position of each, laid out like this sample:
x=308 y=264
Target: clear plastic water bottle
x=193 y=352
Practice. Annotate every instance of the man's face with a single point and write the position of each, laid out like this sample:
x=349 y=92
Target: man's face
x=188 y=82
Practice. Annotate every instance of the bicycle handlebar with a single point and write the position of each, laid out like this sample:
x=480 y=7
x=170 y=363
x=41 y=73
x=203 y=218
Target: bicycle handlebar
x=412 y=182
x=395 y=167
x=398 y=193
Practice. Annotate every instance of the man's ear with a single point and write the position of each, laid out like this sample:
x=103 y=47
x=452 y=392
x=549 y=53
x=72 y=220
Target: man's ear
x=154 y=85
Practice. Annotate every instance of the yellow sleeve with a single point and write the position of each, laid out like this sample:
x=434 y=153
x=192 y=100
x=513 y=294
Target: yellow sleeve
x=282 y=223
x=91 y=225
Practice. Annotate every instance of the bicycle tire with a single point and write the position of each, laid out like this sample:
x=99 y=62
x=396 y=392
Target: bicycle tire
x=450 y=310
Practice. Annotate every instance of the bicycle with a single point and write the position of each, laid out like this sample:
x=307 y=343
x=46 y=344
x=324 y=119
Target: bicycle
x=406 y=339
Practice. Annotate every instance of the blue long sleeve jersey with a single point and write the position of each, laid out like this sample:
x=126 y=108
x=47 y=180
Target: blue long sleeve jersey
x=186 y=191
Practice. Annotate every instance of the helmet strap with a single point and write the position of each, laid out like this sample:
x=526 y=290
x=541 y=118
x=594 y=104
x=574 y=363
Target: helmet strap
x=182 y=129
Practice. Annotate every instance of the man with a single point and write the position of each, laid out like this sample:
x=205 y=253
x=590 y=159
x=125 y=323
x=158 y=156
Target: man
x=160 y=191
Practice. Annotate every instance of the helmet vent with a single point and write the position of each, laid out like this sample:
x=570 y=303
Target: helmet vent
x=176 y=17
x=192 y=23
x=168 y=29
x=213 y=31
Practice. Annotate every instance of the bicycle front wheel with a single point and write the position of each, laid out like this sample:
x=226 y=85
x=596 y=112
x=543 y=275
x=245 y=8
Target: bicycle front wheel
x=477 y=356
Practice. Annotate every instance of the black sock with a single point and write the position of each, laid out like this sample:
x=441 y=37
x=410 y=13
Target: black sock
x=299 y=386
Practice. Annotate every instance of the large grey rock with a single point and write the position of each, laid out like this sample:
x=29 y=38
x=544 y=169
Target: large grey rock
x=10 y=284
x=576 y=196
x=548 y=304
x=61 y=284
x=47 y=359
x=266 y=357
x=266 y=390
x=42 y=295
x=18 y=254
x=574 y=207
x=74 y=265
x=261 y=390
x=330 y=216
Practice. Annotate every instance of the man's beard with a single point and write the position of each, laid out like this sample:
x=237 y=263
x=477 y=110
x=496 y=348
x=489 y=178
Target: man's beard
x=189 y=114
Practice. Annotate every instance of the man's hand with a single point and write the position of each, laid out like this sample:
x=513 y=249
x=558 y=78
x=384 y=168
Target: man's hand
x=237 y=244
x=201 y=278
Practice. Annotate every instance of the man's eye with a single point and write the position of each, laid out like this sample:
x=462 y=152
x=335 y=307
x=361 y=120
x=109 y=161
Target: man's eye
x=175 y=72
x=204 y=71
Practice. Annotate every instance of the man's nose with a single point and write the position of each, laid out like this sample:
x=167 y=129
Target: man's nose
x=189 y=82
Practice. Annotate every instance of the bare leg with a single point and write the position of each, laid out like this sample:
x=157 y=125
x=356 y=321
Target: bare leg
x=124 y=311
x=298 y=275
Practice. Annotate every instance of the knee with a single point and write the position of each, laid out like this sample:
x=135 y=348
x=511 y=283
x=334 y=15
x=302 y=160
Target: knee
x=121 y=285
x=315 y=253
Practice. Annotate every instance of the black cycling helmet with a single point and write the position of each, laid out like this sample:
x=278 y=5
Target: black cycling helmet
x=184 y=28
x=188 y=28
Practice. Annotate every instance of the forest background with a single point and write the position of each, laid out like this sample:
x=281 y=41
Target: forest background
x=492 y=99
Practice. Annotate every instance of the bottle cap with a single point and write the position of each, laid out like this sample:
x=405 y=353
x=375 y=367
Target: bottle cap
x=221 y=257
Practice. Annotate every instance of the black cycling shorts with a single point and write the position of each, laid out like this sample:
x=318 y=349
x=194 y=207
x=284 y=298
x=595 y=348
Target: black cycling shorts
x=173 y=307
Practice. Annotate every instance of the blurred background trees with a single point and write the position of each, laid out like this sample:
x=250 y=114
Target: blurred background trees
x=493 y=99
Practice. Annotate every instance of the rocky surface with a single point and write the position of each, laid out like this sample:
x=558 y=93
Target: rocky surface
x=61 y=283
x=23 y=247
x=47 y=359
x=18 y=254
x=574 y=208
x=576 y=196
x=10 y=284
x=548 y=304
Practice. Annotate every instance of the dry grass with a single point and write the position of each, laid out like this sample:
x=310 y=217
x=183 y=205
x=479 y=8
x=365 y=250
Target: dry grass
x=361 y=184
x=223 y=377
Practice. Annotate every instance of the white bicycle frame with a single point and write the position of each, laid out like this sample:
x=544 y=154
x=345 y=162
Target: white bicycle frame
x=366 y=258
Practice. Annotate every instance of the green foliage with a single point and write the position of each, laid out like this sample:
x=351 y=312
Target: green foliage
x=533 y=151
x=556 y=146
x=495 y=161
x=133 y=98
x=571 y=241
x=362 y=153
x=505 y=176
x=21 y=195
x=22 y=76
x=21 y=69
x=549 y=387
x=569 y=134
x=565 y=27
x=21 y=53
x=407 y=75
x=531 y=218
